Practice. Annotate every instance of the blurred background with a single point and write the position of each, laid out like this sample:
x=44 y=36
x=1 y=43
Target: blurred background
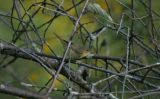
x=38 y=25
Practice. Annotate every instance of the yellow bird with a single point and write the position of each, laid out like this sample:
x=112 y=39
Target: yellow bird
x=76 y=51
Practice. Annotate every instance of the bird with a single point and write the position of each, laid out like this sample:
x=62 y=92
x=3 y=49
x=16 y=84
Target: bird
x=76 y=50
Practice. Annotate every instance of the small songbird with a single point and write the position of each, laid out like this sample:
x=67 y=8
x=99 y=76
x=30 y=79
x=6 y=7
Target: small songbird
x=86 y=54
x=76 y=50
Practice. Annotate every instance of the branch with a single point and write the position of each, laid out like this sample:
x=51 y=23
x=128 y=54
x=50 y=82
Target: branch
x=20 y=93
x=8 y=49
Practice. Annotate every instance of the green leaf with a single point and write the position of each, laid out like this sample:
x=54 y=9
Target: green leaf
x=101 y=14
